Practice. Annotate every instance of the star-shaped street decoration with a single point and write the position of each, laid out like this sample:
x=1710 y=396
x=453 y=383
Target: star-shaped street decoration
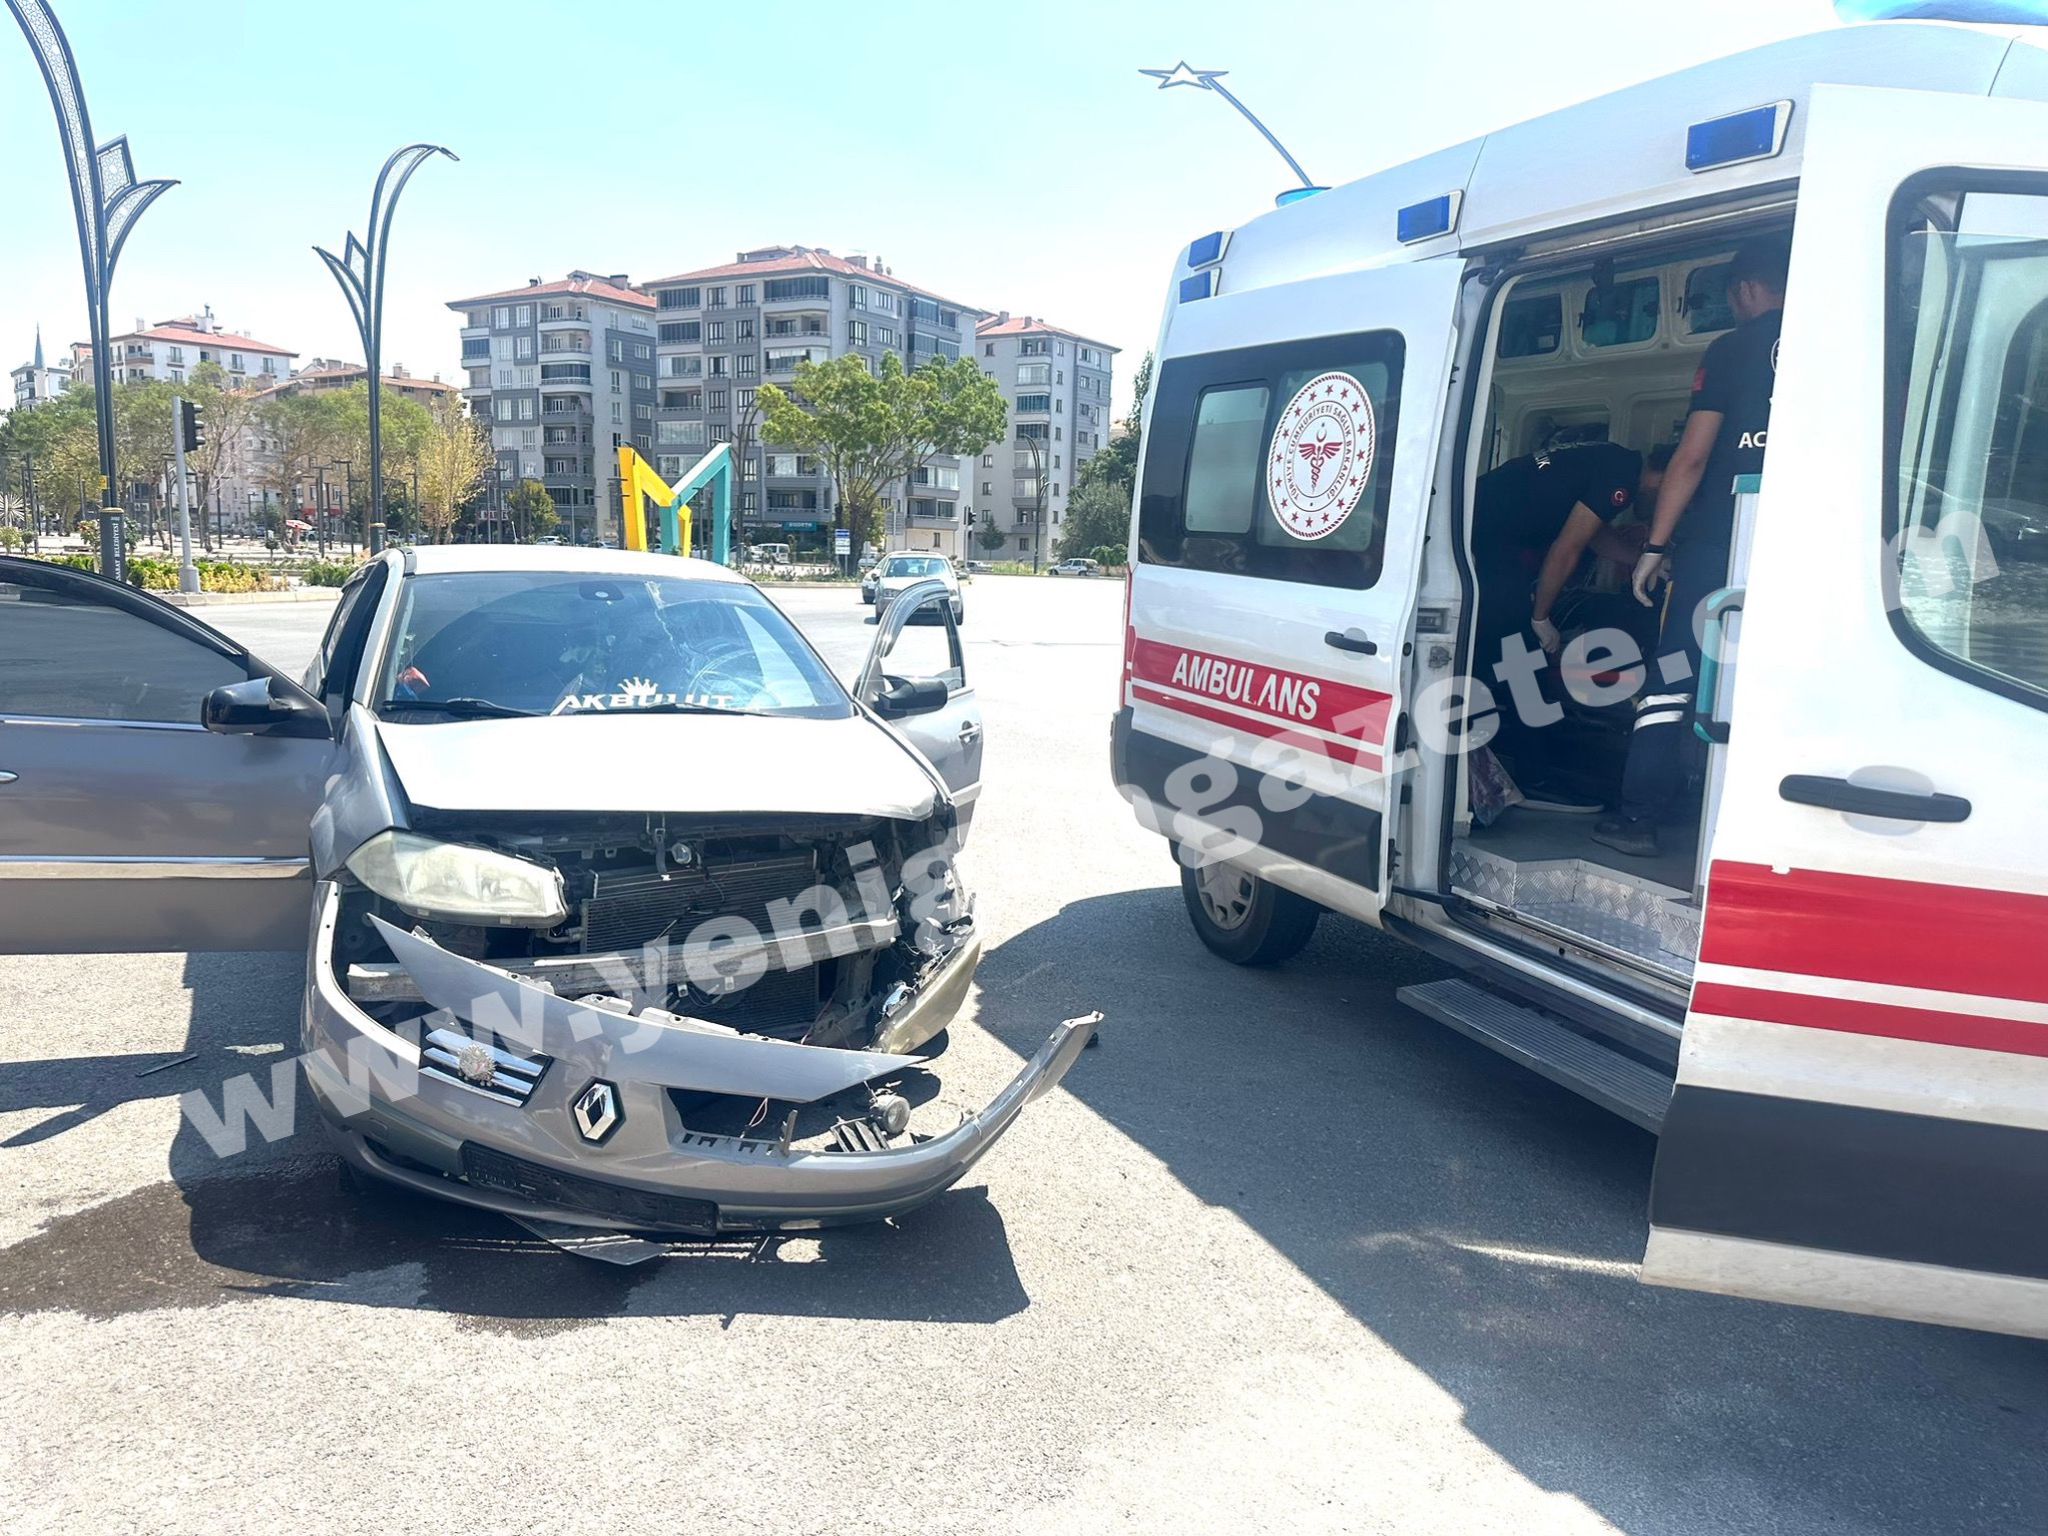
x=1180 y=74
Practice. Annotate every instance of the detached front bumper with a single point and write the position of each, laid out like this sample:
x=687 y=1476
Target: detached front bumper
x=547 y=1146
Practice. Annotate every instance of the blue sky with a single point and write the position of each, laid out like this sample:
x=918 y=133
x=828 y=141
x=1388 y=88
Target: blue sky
x=1008 y=156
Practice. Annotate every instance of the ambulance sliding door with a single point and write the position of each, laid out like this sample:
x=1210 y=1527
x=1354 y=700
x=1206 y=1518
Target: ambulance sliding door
x=1861 y=1116
x=1286 y=475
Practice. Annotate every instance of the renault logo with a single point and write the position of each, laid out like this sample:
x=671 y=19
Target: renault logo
x=596 y=1111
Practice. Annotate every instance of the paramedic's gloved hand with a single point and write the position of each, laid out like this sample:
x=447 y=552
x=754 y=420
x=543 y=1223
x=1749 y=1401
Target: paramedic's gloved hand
x=1547 y=636
x=1653 y=569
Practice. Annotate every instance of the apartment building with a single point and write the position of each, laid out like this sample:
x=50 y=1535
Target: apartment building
x=1057 y=383
x=169 y=350
x=332 y=373
x=723 y=331
x=563 y=372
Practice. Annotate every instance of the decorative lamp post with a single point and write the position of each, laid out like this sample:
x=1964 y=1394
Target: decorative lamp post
x=106 y=200
x=1037 y=449
x=360 y=271
x=1212 y=80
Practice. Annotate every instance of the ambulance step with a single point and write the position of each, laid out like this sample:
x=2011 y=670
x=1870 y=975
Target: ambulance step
x=1589 y=1067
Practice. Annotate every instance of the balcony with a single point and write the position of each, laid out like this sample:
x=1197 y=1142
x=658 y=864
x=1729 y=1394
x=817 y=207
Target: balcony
x=797 y=325
x=577 y=345
x=564 y=405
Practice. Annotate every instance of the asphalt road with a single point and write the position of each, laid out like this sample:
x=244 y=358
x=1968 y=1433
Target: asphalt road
x=1281 y=1256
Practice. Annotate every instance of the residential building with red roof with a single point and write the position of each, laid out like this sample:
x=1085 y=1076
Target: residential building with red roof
x=1057 y=383
x=563 y=372
x=724 y=330
x=170 y=349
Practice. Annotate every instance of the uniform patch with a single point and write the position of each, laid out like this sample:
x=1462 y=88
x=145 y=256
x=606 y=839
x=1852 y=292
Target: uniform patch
x=1621 y=497
x=1322 y=455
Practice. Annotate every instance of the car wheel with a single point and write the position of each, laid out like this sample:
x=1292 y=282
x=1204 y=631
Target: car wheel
x=1246 y=920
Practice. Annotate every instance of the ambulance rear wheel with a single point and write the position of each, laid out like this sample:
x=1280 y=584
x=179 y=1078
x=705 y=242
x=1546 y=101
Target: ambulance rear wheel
x=1246 y=920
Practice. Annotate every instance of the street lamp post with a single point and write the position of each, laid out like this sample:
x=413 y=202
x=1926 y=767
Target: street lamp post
x=348 y=503
x=106 y=200
x=1037 y=448
x=360 y=271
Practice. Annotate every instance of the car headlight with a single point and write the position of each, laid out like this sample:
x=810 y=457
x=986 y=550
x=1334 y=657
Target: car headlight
x=456 y=880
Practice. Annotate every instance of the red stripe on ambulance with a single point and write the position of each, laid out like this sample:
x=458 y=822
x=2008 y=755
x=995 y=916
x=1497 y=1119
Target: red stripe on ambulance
x=1364 y=757
x=1856 y=1017
x=1278 y=698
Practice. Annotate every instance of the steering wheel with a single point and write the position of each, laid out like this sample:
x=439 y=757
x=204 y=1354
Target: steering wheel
x=714 y=667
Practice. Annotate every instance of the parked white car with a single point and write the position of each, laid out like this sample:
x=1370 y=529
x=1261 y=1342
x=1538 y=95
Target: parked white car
x=1076 y=568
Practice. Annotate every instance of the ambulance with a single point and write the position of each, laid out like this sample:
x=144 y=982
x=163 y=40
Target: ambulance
x=1828 y=992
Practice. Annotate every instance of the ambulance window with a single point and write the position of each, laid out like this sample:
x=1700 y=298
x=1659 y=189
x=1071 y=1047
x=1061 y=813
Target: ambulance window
x=1223 y=465
x=1706 y=300
x=1620 y=313
x=1968 y=382
x=1219 y=425
x=1532 y=327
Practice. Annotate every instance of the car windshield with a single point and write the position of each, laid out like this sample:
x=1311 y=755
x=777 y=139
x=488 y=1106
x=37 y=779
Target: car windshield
x=554 y=642
x=915 y=565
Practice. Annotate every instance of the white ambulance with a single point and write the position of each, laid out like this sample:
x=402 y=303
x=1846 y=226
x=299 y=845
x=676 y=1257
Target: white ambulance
x=1829 y=992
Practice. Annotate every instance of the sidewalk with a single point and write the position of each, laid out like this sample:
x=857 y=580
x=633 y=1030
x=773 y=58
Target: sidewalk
x=210 y=599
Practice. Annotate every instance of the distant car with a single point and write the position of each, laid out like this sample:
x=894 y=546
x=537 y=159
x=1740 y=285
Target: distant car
x=903 y=570
x=554 y=539
x=1076 y=568
x=978 y=567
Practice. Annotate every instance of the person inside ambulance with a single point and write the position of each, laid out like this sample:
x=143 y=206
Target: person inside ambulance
x=1691 y=535
x=1533 y=521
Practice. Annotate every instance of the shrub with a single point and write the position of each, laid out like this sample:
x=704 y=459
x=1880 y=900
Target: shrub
x=326 y=573
x=10 y=539
x=154 y=574
x=1107 y=555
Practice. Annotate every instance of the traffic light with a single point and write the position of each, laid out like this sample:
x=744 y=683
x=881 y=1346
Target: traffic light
x=191 y=426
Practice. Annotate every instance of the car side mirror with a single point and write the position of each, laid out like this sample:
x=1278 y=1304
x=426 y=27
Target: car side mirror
x=916 y=696
x=262 y=706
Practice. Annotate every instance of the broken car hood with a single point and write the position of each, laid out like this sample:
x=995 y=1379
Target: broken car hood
x=714 y=764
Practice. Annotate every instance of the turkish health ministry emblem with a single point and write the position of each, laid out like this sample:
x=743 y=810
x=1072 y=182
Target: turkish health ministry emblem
x=1322 y=455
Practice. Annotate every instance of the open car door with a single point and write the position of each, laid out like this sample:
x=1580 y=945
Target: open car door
x=917 y=643
x=125 y=822
x=1861 y=1115
x=1281 y=505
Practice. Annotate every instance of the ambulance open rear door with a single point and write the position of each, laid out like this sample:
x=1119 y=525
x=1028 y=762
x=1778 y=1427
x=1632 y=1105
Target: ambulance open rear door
x=1861 y=1114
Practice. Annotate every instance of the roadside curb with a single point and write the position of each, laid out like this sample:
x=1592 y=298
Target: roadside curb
x=210 y=599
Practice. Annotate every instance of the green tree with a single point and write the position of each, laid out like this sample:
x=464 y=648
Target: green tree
x=227 y=413
x=305 y=428
x=873 y=430
x=408 y=427
x=1116 y=463
x=1098 y=513
x=532 y=511
x=453 y=462
x=990 y=537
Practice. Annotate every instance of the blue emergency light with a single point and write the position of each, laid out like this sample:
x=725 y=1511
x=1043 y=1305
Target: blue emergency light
x=1200 y=286
x=1997 y=12
x=1425 y=221
x=1208 y=250
x=1296 y=194
x=1757 y=134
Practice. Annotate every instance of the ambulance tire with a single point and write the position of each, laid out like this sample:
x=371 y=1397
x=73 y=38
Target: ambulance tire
x=1246 y=920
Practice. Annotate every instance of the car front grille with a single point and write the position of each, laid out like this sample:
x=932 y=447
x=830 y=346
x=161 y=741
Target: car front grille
x=480 y=1065
x=502 y=1173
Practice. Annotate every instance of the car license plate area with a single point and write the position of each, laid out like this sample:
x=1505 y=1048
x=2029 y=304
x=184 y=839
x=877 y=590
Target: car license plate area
x=502 y=1173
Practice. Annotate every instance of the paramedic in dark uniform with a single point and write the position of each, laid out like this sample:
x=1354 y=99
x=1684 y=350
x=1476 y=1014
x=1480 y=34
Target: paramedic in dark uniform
x=1691 y=535
x=1533 y=519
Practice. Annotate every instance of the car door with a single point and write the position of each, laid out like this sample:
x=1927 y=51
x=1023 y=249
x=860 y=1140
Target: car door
x=917 y=640
x=1285 y=477
x=1861 y=1114
x=126 y=824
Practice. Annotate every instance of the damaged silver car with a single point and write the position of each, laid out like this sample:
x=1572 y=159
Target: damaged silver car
x=622 y=913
